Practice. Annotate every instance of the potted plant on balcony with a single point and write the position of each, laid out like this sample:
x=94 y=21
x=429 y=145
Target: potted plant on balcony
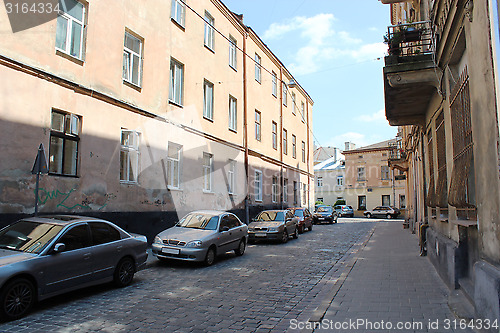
x=394 y=40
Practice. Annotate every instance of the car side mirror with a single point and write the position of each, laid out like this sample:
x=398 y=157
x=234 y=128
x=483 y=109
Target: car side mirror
x=225 y=229
x=59 y=247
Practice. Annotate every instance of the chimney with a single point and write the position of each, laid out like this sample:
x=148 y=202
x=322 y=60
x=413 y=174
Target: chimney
x=349 y=146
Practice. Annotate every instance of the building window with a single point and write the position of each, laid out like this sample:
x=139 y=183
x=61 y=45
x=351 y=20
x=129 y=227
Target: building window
x=386 y=200
x=402 y=201
x=232 y=52
x=257 y=126
x=361 y=173
x=295 y=193
x=304 y=190
x=384 y=172
x=178 y=11
x=285 y=142
x=303 y=152
x=285 y=93
x=302 y=111
x=442 y=182
x=285 y=190
x=275 y=84
x=320 y=199
x=231 y=177
x=64 y=142
x=340 y=180
x=274 y=195
x=176 y=82
x=208 y=100
x=258 y=186
x=209 y=31
x=361 y=202
x=208 y=166
x=70 y=26
x=320 y=181
x=294 y=146
x=294 y=106
x=275 y=135
x=233 y=125
x=129 y=156
x=257 y=68
x=132 y=59
x=173 y=165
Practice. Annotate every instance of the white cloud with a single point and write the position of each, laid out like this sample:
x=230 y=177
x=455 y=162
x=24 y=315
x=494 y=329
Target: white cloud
x=359 y=139
x=370 y=51
x=378 y=116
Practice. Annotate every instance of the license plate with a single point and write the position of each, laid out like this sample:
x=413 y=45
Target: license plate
x=260 y=234
x=169 y=250
x=321 y=218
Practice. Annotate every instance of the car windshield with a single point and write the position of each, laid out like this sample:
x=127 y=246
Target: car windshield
x=28 y=236
x=270 y=216
x=325 y=209
x=299 y=213
x=199 y=221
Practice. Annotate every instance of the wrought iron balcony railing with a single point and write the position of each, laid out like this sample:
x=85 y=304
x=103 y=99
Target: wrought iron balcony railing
x=409 y=39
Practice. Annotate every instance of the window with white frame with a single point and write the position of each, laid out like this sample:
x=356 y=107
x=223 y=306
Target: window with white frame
x=285 y=94
x=294 y=107
x=231 y=177
x=208 y=100
x=274 y=195
x=174 y=165
x=285 y=190
x=132 y=59
x=257 y=126
x=294 y=146
x=209 y=31
x=384 y=172
x=232 y=51
x=70 y=28
x=208 y=166
x=274 y=84
x=129 y=156
x=64 y=143
x=258 y=185
x=320 y=181
x=340 y=180
x=303 y=152
x=178 y=11
x=285 y=142
x=176 y=82
x=275 y=135
x=302 y=111
x=233 y=114
x=257 y=68
x=361 y=173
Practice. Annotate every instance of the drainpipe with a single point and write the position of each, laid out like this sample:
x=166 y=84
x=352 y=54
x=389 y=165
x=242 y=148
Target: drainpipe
x=281 y=135
x=423 y=175
x=308 y=153
x=245 y=129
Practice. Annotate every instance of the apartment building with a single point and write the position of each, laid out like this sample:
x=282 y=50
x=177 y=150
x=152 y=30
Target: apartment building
x=441 y=87
x=329 y=175
x=147 y=111
x=369 y=182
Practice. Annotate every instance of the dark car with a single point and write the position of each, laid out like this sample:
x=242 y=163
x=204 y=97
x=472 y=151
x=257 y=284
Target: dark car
x=344 y=210
x=382 y=212
x=45 y=256
x=304 y=218
x=325 y=214
x=273 y=225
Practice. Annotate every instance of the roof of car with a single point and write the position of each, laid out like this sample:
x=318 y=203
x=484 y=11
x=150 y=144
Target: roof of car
x=209 y=212
x=61 y=219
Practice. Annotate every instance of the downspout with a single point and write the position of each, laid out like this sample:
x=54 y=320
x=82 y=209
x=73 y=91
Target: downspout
x=423 y=176
x=245 y=129
x=281 y=135
x=308 y=152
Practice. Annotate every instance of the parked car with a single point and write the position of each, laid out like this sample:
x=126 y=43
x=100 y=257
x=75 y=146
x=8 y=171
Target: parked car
x=201 y=236
x=325 y=214
x=273 y=225
x=304 y=218
x=382 y=211
x=317 y=206
x=344 y=211
x=41 y=257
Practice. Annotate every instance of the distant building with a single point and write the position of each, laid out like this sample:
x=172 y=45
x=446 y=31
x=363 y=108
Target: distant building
x=329 y=179
x=324 y=153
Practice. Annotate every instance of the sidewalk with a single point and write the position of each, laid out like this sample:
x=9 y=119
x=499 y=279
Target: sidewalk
x=389 y=288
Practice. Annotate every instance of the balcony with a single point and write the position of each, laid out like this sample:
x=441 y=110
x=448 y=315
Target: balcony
x=410 y=75
x=397 y=156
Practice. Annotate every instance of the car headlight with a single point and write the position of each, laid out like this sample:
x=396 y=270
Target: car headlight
x=195 y=243
x=272 y=229
x=158 y=240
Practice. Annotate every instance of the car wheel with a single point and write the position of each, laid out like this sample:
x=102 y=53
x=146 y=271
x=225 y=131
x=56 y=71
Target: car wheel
x=311 y=227
x=17 y=298
x=295 y=233
x=210 y=257
x=241 y=248
x=284 y=237
x=368 y=215
x=124 y=272
x=301 y=229
x=388 y=216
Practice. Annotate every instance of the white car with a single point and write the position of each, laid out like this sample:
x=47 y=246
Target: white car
x=382 y=212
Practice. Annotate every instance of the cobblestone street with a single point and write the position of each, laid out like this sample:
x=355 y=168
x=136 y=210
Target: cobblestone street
x=258 y=292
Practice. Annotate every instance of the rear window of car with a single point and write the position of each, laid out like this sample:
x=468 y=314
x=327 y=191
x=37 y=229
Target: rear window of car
x=300 y=212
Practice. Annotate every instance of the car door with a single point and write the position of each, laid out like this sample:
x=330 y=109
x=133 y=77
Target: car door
x=225 y=234
x=72 y=267
x=107 y=248
x=290 y=222
x=307 y=218
x=236 y=231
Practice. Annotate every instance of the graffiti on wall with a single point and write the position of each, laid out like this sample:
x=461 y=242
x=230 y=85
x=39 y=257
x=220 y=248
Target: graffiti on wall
x=65 y=199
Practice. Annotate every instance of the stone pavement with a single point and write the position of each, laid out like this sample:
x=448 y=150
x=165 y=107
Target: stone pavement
x=387 y=287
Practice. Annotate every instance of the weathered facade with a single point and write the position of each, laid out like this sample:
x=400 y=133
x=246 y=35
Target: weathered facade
x=369 y=182
x=441 y=86
x=147 y=111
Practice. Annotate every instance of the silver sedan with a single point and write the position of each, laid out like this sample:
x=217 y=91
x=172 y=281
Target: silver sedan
x=273 y=225
x=45 y=256
x=201 y=236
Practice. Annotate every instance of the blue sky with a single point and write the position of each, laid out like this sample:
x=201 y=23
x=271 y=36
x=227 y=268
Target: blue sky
x=330 y=47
